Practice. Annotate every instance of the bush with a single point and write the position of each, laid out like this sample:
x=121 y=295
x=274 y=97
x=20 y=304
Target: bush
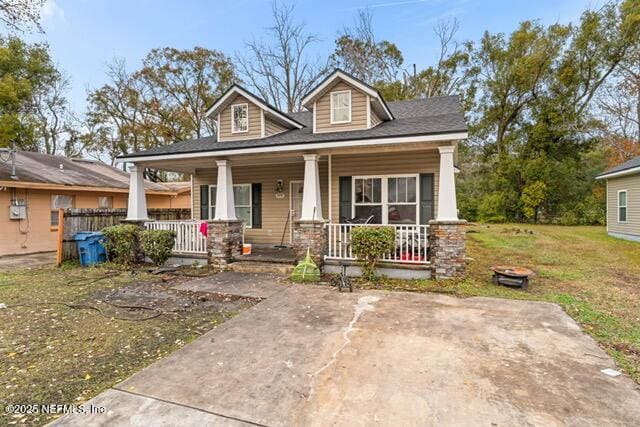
x=492 y=208
x=157 y=244
x=369 y=244
x=122 y=243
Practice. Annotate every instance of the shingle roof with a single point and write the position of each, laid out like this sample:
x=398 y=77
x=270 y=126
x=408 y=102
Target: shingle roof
x=429 y=116
x=629 y=164
x=48 y=169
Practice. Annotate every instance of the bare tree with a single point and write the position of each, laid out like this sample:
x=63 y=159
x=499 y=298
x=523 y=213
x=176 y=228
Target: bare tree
x=54 y=120
x=359 y=52
x=19 y=15
x=282 y=71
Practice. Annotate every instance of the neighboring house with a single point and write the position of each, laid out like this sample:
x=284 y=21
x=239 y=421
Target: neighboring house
x=305 y=177
x=623 y=200
x=45 y=183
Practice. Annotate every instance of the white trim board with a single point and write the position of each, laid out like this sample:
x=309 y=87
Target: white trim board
x=238 y=90
x=629 y=171
x=301 y=147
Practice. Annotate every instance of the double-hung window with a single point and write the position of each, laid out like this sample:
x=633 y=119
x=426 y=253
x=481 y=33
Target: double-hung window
x=402 y=199
x=390 y=199
x=368 y=198
x=59 y=201
x=239 y=118
x=341 y=107
x=242 y=199
x=622 y=206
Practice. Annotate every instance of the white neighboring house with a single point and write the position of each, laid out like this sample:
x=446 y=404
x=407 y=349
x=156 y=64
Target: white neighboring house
x=623 y=200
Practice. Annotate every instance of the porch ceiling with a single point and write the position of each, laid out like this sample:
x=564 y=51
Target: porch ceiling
x=207 y=160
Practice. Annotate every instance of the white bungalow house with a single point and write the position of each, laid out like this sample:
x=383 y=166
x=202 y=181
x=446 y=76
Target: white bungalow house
x=307 y=178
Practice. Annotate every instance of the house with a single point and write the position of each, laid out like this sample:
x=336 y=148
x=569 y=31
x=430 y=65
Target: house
x=307 y=177
x=623 y=200
x=42 y=184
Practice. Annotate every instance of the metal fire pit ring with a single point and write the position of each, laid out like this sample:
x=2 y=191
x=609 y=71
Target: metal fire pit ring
x=512 y=276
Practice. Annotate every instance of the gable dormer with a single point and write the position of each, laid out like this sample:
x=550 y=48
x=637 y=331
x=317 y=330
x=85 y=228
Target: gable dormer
x=241 y=115
x=342 y=103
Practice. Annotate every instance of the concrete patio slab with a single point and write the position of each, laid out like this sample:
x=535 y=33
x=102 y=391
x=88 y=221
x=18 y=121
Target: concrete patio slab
x=28 y=260
x=311 y=356
x=252 y=285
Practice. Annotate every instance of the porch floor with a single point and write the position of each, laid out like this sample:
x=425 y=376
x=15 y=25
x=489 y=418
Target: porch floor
x=270 y=254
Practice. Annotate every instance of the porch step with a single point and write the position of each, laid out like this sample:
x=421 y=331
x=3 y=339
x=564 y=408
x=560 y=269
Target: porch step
x=260 y=267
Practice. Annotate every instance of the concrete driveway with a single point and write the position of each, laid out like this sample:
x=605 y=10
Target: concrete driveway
x=308 y=355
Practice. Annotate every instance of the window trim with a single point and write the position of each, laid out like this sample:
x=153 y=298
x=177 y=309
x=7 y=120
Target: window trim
x=250 y=205
x=332 y=109
x=106 y=197
x=626 y=206
x=384 y=201
x=233 y=107
x=51 y=209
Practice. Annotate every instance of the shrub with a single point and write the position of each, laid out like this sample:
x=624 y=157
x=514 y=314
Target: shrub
x=157 y=244
x=492 y=208
x=369 y=244
x=122 y=243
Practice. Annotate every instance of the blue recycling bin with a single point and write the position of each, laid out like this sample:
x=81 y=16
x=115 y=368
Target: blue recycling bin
x=90 y=249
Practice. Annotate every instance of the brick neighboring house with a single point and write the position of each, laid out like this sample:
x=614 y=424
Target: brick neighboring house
x=311 y=176
x=44 y=183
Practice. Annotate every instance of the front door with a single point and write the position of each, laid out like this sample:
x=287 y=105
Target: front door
x=295 y=204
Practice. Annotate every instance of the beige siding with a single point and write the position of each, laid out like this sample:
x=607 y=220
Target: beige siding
x=372 y=164
x=255 y=121
x=375 y=120
x=274 y=211
x=632 y=185
x=358 y=110
x=272 y=128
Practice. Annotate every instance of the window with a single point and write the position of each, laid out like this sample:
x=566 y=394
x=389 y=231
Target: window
x=239 y=118
x=622 y=206
x=402 y=207
x=341 y=107
x=368 y=198
x=242 y=198
x=391 y=200
x=59 y=202
x=105 y=202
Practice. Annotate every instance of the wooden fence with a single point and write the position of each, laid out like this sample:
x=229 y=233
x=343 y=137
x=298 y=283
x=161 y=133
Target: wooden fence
x=76 y=220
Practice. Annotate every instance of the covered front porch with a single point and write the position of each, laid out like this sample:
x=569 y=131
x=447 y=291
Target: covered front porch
x=313 y=199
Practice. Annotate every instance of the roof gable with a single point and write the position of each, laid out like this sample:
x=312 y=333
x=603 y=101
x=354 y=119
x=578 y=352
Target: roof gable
x=379 y=104
x=230 y=94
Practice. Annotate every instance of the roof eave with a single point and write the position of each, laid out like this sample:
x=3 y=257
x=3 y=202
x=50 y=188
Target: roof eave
x=629 y=171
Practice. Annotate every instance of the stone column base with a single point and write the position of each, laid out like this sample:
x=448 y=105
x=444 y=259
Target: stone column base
x=224 y=242
x=447 y=248
x=312 y=235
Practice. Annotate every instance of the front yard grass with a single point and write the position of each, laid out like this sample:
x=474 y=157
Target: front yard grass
x=594 y=277
x=66 y=354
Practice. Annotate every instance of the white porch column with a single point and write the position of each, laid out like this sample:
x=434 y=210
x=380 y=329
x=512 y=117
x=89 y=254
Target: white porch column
x=447 y=206
x=137 y=207
x=311 y=202
x=225 y=203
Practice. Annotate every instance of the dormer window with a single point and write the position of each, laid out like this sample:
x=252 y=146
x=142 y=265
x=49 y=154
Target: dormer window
x=341 y=107
x=240 y=118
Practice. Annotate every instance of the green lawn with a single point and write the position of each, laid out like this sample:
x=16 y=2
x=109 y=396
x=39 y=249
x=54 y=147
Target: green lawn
x=594 y=277
x=57 y=354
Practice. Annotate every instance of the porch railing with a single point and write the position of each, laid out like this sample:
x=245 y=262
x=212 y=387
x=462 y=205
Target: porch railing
x=412 y=243
x=189 y=240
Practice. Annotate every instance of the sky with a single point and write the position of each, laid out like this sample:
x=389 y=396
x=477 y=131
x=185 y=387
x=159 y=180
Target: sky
x=84 y=35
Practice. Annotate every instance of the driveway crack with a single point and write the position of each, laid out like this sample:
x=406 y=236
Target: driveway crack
x=365 y=303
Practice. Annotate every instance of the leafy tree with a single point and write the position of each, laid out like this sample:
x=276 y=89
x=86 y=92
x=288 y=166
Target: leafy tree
x=163 y=102
x=26 y=75
x=282 y=71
